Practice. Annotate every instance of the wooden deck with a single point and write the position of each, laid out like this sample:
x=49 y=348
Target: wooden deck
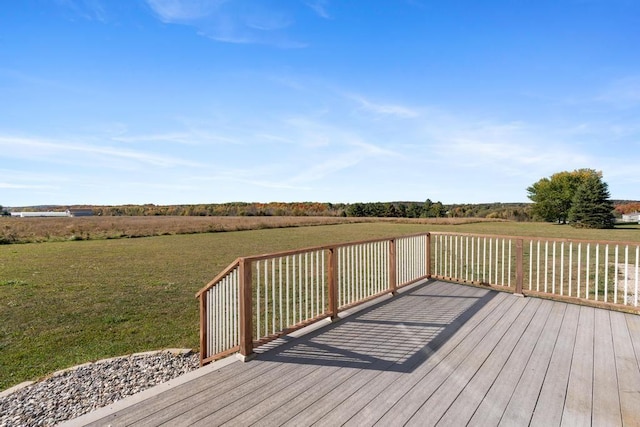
x=438 y=354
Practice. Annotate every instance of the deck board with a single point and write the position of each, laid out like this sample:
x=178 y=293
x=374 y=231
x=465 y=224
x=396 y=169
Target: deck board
x=394 y=395
x=517 y=390
x=452 y=373
x=606 y=399
x=470 y=381
x=550 y=404
x=438 y=353
x=577 y=407
x=515 y=348
x=627 y=368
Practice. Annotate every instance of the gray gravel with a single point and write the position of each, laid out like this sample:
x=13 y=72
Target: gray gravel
x=78 y=391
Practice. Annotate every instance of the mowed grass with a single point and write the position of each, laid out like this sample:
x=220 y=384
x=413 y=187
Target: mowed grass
x=66 y=303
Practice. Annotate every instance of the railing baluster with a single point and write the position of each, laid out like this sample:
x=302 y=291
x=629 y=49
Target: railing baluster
x=562 y=268
x=606 y=273
x=588 y=264
x=484 y=260
x=490 y=257
x=258 y=311
x=530 y=264
x=615 y=278
x=553 y=274
x=546 y=265
x=509 y=268
x=266 y=298
x=570 y=267
x=538 y=268
x=579 y=269
x=635 y=303
x=597 y=268
x=626 y=274
x=497 y=259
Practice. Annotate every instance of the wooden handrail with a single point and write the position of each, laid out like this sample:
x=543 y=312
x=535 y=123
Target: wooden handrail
x=216 y=279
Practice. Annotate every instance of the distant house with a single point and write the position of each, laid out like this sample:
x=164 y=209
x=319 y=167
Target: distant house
x=79 y=212
x=632 y=217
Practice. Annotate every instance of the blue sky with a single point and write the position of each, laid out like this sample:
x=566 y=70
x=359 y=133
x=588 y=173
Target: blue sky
x=207 y=101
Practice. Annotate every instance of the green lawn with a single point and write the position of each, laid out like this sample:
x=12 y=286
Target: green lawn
x=65 y=303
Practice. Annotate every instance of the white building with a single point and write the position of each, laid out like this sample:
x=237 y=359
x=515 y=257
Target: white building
x=632 y=217
x=39 y=214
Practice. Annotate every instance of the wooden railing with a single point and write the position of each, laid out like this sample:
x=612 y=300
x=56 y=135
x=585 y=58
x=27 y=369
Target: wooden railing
x=260 y=298
x=601 y=273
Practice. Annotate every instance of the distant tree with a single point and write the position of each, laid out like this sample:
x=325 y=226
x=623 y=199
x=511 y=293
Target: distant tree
x=591 y=206
x=3 y=211
x=402 y=210
x=437 y=210
x=390 y=210
x=356 y=209
x=426 y=209
x=414 y=210
x=552 y=197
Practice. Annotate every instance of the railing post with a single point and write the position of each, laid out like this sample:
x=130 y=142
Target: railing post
x=203 y=330
x=246 y=315
x=392 y=266
x=428 y=255
x=519 y=267
x=333 y=283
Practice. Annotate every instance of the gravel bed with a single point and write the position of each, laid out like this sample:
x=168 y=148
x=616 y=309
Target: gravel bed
x=80 y=390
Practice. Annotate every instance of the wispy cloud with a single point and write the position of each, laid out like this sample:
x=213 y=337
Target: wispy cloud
x=7 y=185
x=319 y=7
x=186 y=138
x=184 y=11
x=384 y=109
x=231 y=21
x=86 y=9
x=57 y=152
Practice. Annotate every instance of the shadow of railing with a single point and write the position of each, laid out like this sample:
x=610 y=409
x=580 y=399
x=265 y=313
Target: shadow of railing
x=395 y=335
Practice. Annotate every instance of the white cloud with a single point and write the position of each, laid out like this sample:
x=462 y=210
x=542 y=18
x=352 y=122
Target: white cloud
x=231 y=21
x=86 y=9
x=191 y=137
x=184 y=11
x=54 y=151
x=396 y=110
x=8 y=185
x=319 y=7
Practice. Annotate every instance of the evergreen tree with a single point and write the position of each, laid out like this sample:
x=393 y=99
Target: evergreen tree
x=591 y=207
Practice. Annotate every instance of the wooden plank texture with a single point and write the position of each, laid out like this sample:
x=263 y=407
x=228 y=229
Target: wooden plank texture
x=606 y=401
x=628 y=373
x=436 y=354
x=577 y=407
x=520 y=402
x=548 y=410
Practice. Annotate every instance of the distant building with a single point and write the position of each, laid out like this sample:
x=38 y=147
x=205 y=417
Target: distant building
x=632 y=217
x=79 y=212
x=39 y=214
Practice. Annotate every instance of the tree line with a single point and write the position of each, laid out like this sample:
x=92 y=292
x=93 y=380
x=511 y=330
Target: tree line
x=426 y=209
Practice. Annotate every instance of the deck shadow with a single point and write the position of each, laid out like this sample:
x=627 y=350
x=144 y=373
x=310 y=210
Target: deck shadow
x=395 y=335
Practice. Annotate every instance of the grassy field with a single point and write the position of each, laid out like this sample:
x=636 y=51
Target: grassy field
x=69 y=302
